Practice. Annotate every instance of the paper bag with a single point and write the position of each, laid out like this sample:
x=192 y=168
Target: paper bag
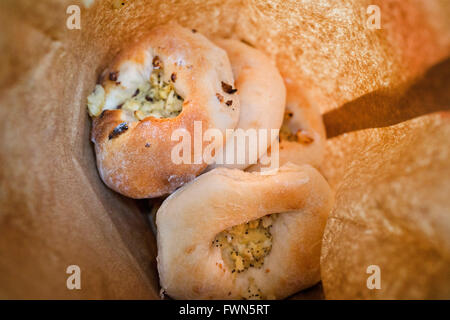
x=56 y=215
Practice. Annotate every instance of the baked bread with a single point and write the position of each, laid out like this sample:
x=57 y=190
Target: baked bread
x=302 y=134
x=162 y=83
x=262 y=97
x=231 y=234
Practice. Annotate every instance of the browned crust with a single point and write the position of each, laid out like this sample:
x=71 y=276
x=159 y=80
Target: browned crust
x=138 y=162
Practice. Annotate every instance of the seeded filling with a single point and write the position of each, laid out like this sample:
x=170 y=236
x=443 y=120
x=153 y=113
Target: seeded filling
x=252 y=292
x=156 y=97
x=246 y=245
x=286 y=134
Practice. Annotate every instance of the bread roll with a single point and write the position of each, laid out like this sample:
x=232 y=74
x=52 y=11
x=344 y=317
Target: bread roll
x=262 y=97
x=302 y=134
x=231 y=234
x=162 y=83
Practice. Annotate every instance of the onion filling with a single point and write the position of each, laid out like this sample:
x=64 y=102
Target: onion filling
x=246 y=245
x=287 y=134
x=155 y=98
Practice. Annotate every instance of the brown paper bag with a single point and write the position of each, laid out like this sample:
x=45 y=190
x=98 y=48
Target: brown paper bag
x=55 y=211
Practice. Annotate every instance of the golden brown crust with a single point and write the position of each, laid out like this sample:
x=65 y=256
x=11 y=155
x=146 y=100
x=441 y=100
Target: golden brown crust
x=137 y=162
x=189 y=220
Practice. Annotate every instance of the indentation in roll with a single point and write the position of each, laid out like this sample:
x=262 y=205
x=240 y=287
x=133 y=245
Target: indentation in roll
x=246 y=245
